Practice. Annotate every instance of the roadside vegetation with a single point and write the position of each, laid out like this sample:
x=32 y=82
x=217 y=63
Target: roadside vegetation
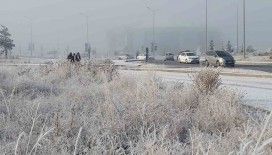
x=65 y=108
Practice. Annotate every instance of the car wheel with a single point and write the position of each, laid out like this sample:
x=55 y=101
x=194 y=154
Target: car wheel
x=206 y=63
x=217 y=64
x=179 y=61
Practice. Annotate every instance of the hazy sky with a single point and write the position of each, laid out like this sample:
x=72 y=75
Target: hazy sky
x=58 y=23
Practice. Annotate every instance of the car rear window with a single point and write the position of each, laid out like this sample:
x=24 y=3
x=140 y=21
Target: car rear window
x=222 y=53
x=190 y=54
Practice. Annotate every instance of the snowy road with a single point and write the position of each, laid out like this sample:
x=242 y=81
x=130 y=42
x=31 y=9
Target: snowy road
x=257 y=91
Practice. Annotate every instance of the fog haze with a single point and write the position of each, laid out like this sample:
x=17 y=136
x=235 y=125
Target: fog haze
x=58 y=24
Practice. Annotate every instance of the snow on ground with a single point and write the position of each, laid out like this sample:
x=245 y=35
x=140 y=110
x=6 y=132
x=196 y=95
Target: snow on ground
x=256 y=91
x=128 y=64
x=27 y=61
x=253 y=58
x=196 y=69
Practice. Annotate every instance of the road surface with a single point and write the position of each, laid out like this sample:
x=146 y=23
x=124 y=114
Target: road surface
x=266 y=67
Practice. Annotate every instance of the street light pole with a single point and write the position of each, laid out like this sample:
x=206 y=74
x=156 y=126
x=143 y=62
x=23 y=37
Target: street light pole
x=237 y=29
x=206 y=35
x=154 y=16
x=87 y=35
x=244 y=16
x=31 y=35
x=153 y=30
x=87 y=28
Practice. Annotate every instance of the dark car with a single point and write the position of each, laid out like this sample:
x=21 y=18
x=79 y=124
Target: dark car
x=219 y=58
x=169 y=57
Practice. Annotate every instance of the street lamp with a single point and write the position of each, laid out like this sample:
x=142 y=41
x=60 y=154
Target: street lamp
x=206 y=35
x=237 y=29
x=87 y=45
x=153 y=33
x=244 y=17
x=31 y=35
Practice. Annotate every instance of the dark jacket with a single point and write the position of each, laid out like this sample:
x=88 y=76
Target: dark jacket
x=78 y=57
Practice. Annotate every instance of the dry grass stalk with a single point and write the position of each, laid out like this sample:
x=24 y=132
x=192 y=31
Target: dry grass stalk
x=125 y=114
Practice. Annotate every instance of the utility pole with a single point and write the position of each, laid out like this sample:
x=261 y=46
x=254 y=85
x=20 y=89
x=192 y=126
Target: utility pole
x=87 y=45
x=20 y=50
x=31 y=40
x=206 y=39
x=87 y=28
x=31 y=36
x=153 y=30
x=244 y=16
x=153 y=34
x=237 y=29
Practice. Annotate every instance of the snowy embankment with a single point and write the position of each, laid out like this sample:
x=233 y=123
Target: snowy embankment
x=257 y=91
x=255 y=86
x=94 y=108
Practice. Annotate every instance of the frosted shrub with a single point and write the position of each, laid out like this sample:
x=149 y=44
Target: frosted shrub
x=219 y=112
x=207 y=80
x=68 y=108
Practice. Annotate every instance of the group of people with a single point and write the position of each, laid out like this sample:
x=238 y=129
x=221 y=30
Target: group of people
x=72 y=57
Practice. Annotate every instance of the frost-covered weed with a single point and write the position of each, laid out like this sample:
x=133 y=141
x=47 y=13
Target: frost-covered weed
x=91 y=109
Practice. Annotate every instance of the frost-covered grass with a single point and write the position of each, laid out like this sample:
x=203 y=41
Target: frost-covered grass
x=91 y=109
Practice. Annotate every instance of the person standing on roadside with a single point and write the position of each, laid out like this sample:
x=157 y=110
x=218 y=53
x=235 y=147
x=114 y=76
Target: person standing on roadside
x=70 y=57
x=147 y=54
x=78 y=57
x=74 y=57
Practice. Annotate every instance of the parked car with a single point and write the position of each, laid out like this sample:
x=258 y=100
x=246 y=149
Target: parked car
x=219 y=58
x=188 y=57
x=203 y=60
x=169 y=57
x=124 y=57
x=141 y=57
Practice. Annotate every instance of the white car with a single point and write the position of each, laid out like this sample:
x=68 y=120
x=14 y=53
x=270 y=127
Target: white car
x=188 y=57
x=141 y=57
x=123 y=57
